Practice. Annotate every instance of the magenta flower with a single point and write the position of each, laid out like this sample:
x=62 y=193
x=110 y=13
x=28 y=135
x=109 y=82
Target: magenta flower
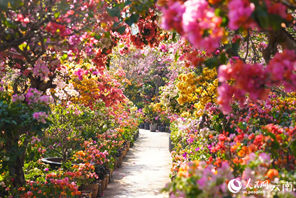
x=240 y=12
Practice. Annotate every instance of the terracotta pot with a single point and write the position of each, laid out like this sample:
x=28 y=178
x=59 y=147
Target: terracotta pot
x=119 y=161
x=86 y=194
x=124 y=153
x=93 y=188
x=101 y=188
x=105 y=183
x=107 y=180
x=110 y=176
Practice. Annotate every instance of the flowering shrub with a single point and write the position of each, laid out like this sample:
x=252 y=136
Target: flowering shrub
x=255 y=140
x=222 y=71
x=199 y=179
x=18 y=116
x=55 y=185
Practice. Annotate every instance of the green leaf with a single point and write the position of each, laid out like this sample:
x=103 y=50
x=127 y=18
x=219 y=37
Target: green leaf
x=114 y=12
x=56 y=15
x=132 y=19
x=5 y=4
x=65 y=56
x=261 y=16
x=121 y=29
x=212 y=62
x=98 y=37
x=293 y=147
x=128 y=2
x=242 y=125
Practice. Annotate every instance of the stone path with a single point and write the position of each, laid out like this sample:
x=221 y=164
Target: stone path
x=145 y=170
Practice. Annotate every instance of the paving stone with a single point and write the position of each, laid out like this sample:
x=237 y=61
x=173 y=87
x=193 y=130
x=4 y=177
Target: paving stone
x=145 y=170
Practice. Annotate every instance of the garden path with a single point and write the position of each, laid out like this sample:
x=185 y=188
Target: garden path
x=145 y=170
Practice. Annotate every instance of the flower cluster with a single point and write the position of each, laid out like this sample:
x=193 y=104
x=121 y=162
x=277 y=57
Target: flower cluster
x=33 y=96
x=239 y=14
x=198 y=89
x=91 y=154
x=148 y=32
x=208 y=181
x=257 y=80
x=97 y=85
x=40 y=116
x=196 y=21
x=186 y=86
x=254 y=141
x=55 y=185
x=282 y=69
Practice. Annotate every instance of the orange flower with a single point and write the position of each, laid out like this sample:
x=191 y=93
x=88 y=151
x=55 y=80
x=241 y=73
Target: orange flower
x=272 y=173
x=243 y=151
x=237 y=161
x=252 y=148
x=213 y=2
x=81 y=153
x=233 y=148
x=183 y=171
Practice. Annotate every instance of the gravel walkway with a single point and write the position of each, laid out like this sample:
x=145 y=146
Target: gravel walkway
x=145 y=170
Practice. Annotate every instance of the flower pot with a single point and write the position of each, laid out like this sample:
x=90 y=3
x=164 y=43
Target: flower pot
x=101 y=188
x=115 y=163
x=167 y=129
x=110 y=176
x=105 y=182
x=171 y=145
x=86 y=194
x=153 y=127
x=141 y=126
x=123 y=153
x=161 y=128
x=136 y=135
x=146 y=126
x=93 y=188
x=54 y=162
x=119 y=161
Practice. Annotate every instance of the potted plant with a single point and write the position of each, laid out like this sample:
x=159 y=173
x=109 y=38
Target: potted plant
x=153 y=127
x=63 y=137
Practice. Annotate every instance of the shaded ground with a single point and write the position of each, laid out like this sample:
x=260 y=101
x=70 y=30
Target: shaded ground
x=145 y=169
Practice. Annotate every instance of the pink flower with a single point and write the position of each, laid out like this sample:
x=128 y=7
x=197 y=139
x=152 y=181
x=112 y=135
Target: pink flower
x=172 y=17
x=282 y=69
x=247 y=79
x=40 y=117
x=29 y=193
x=202 y=182
x=264 y=157
x=79 y=73
x=239 y=14
x=201 y=26
x=17 y=98
x=276 y=8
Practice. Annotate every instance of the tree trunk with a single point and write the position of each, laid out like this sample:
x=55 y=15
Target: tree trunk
x=16 y=171
x=16 y=162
